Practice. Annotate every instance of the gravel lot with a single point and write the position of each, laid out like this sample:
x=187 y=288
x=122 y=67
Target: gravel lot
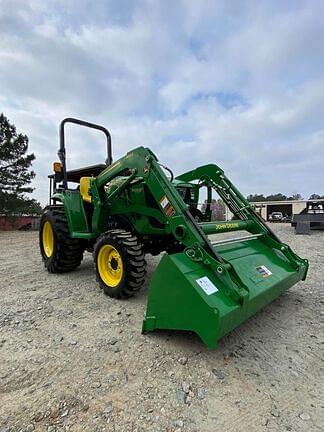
x=72 y=359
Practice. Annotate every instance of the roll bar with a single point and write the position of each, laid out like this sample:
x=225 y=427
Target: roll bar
x=61 y=152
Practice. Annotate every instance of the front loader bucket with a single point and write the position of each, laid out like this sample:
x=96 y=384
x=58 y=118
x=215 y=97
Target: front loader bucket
x=187 y=295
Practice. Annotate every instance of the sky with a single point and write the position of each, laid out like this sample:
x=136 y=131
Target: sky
x=236 y=83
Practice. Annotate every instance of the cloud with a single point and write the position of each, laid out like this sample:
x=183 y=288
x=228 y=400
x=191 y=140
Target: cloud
x=240 y=84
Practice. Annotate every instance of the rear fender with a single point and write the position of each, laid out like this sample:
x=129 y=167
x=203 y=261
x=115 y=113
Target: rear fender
x=74 y=210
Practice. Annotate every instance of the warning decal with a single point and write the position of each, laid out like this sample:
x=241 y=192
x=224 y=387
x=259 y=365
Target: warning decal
x=206 y=284
x=263 y=271
x=167 y=206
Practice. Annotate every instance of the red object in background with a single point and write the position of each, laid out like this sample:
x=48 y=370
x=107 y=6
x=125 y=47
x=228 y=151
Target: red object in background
x=8 y=223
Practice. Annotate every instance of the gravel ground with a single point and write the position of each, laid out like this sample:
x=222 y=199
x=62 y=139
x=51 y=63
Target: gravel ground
x=72 y=359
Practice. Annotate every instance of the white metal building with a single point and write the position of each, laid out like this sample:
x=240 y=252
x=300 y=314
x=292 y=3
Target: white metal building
x=265 y=208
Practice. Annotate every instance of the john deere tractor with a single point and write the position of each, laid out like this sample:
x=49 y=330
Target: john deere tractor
x=124 y=210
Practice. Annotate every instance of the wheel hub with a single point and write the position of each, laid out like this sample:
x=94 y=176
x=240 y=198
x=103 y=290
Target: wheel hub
x=48 y=239
x=110 y=265
x=114 y=264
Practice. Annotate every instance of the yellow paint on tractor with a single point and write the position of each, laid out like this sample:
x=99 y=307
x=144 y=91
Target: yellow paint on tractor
x=48 y=239
x=84 y=188
x=110 y=265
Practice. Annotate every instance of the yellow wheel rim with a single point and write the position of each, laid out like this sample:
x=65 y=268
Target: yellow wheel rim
x=48 y=239
x=110 y=265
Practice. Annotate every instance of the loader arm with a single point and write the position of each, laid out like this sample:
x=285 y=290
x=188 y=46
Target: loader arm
x=141 y=165
x=214 y=176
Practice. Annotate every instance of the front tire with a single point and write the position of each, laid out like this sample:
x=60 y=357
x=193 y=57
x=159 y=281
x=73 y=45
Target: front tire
x=60 y=252
x=119 y=263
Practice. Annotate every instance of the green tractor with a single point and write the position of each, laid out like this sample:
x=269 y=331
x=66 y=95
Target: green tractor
x=124 y=210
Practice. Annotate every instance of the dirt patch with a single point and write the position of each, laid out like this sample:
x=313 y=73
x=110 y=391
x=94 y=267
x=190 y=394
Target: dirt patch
x=72 y=359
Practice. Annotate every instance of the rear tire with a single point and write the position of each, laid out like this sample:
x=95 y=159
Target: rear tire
x=119 y=263
x=60 y=252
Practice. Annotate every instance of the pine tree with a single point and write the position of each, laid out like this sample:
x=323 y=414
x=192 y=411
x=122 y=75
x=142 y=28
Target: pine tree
x=15 y=169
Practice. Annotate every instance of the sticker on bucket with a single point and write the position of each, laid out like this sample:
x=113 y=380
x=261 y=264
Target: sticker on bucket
x=206 y=284
x=264 y=271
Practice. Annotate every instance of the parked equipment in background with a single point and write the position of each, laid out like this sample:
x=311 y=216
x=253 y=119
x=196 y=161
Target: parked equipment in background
x=311 y=218
x=123 y=210
x=278 y=217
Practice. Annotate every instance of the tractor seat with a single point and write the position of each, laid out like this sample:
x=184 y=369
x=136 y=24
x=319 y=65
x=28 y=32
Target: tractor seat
x=75 y=175
x=84 y=189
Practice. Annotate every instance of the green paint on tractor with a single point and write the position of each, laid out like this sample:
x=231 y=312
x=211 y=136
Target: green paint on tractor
x=123 y=210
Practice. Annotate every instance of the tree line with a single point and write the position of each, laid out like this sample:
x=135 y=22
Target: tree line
x=281 y=197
